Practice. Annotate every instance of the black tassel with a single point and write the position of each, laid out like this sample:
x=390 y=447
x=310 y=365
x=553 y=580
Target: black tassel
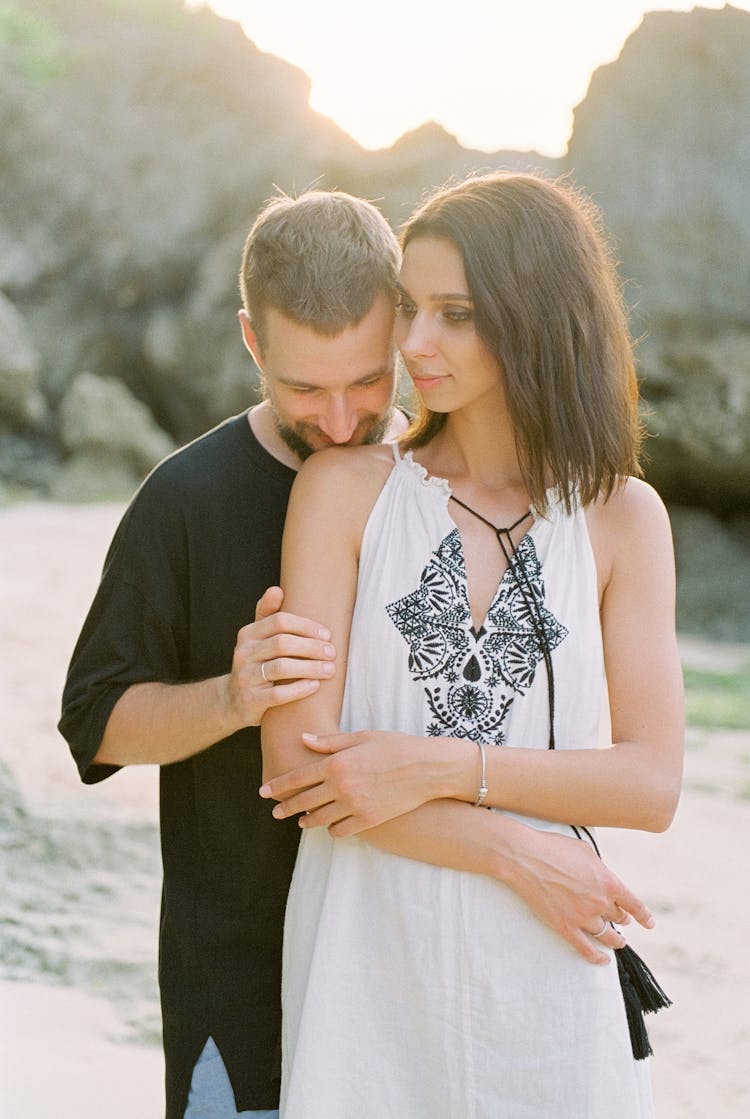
x=642 y=994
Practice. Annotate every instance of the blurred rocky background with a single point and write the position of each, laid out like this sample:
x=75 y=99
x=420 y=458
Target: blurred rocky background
x=137 y=141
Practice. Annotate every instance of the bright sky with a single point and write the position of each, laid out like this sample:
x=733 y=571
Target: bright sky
x=495 y=73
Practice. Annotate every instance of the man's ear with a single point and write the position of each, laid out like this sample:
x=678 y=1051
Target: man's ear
x=249 y=337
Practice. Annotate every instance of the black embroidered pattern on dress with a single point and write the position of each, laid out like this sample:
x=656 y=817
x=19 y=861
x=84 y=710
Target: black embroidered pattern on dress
x=471 y=678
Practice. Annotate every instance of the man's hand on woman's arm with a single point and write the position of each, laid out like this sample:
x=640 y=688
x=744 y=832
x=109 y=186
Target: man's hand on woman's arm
x=278 y=658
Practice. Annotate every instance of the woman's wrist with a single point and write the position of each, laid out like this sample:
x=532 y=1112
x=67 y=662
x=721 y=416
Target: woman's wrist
x=462 y=769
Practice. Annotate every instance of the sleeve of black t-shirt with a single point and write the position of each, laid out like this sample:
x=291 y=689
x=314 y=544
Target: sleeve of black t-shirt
x=135 y=629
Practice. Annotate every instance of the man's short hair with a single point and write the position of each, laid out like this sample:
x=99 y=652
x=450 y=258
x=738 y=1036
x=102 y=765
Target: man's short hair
x=320 y=259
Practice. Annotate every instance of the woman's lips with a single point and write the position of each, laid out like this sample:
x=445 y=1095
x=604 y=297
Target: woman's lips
x=421 y=381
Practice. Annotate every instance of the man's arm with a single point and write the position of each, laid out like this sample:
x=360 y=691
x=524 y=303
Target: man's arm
x=156 y=723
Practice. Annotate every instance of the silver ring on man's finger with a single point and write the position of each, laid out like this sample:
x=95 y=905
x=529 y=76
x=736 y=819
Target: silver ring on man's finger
x=602 y=930
x=263 y=673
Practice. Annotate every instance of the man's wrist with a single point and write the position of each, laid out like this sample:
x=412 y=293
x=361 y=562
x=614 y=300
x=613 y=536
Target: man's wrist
x=228 y=719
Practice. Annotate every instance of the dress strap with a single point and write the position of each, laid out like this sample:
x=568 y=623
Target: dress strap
x=396 y=451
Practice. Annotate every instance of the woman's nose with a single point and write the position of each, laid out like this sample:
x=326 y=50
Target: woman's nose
x=416 y=338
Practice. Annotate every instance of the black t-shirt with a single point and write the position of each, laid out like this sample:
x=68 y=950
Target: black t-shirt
x=195 y=550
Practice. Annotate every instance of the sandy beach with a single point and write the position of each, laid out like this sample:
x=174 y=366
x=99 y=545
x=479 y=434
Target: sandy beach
x=78 y=1014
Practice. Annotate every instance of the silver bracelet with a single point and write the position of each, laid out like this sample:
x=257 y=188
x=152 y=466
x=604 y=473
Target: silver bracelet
x=483 y=790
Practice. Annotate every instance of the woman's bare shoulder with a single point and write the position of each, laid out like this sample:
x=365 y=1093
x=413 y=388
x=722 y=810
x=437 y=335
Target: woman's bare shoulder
x=633 y=506
x=342 y=484
x=627 y=527
x=350 y=467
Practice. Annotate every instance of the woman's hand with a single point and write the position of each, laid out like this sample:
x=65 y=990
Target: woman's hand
x=363 y=780
x=569 y=888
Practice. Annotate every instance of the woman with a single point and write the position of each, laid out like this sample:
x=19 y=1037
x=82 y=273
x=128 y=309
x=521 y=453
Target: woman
x=498 y=580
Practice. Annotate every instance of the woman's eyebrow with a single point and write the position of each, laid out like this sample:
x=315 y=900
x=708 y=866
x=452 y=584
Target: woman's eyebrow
x=440 y=295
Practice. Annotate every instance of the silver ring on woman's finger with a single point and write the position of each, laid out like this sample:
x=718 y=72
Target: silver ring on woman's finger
x=263 y=673
x=602 y=930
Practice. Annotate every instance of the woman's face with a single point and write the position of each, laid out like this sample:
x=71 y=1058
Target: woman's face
x=450 y=365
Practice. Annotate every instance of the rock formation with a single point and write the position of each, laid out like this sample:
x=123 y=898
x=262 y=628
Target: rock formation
x=20 y=399
x=111 y=439
x=662 y=140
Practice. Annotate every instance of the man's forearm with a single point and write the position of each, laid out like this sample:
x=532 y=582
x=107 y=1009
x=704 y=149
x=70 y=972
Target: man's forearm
x=154 y=723
x=278 y=658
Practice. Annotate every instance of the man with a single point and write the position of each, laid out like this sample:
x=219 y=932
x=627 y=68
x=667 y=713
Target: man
x=168 y=671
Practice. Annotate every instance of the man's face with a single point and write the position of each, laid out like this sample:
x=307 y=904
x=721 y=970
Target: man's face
x=327 y=390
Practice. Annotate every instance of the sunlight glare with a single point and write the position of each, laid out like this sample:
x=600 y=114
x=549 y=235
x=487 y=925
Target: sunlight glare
x=495 y=73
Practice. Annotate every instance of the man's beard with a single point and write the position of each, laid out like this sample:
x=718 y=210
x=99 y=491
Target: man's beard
x=373 y=433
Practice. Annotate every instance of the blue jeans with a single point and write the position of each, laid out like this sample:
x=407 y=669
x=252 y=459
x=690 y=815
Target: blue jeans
x=211 y=1095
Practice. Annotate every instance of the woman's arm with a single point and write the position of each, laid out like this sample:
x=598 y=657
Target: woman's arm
x=562 y=880
x=371 y=777
x=328 y=508
x=564 y=883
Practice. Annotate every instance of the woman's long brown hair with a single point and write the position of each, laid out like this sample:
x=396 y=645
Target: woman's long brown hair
x=548 y=303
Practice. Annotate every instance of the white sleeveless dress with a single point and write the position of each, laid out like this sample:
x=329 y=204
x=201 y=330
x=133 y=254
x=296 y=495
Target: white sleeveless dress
x=418 y=992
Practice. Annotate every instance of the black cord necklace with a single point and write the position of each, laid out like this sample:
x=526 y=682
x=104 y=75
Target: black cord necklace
x=517 y=568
